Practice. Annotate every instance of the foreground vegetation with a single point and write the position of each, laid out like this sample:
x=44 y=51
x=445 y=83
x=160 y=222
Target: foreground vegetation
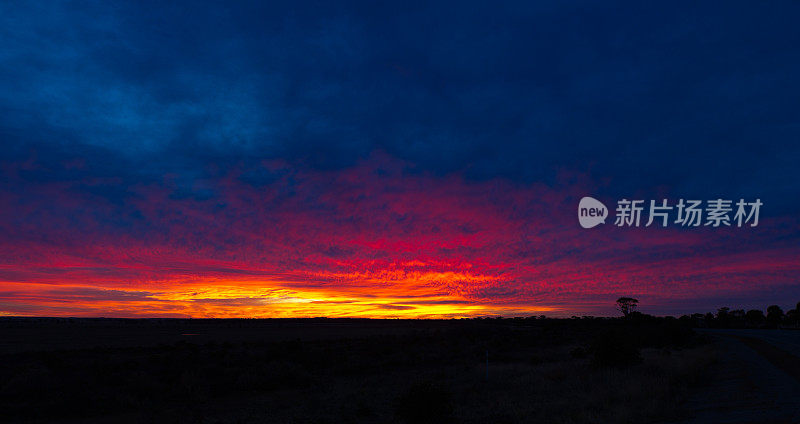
x=753 y=318
x=638 y=369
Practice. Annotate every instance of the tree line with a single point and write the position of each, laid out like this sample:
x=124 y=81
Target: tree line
x=726 y=317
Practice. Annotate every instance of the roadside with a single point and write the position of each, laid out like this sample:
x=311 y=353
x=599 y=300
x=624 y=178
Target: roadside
x=757 y=379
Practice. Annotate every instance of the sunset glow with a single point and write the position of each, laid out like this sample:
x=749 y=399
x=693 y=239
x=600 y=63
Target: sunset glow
x=213 y=169
x=362 y=243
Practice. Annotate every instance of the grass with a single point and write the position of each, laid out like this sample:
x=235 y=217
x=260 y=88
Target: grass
x=549 y=371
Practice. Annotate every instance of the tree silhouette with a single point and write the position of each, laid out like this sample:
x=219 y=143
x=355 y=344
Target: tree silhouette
x=723 y=317
x=774 y=315
x=755 y=318
x=792 y=317
x=627 y=305
x=737 y=314
x=737 y=318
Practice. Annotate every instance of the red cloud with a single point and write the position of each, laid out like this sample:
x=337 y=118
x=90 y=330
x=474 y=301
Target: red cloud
x=374 y=240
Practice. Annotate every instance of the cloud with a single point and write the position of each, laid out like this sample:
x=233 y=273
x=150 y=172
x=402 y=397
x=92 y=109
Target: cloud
x=340 y=239
x=331 y=152
x=393 y=307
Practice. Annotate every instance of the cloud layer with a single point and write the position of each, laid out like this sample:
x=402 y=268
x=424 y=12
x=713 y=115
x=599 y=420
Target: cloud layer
x=363 y=160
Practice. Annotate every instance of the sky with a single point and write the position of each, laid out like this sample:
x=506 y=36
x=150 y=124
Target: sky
x=382 y=160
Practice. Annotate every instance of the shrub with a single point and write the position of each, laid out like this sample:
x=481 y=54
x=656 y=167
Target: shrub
x=425 y=402
x=615 y=349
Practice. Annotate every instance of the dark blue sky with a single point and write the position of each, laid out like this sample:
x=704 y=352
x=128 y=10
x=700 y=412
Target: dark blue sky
x=675 y=99
x=699 y=98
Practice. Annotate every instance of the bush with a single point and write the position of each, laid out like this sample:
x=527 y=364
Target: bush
x=425 y=402
x=577 y=353
x=615 y=349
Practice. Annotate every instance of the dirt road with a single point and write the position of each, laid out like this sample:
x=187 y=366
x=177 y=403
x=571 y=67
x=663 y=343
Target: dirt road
x=758 y=379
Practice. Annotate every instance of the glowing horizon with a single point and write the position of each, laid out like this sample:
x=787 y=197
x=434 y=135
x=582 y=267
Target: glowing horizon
x=438 y=247
x=342 y=160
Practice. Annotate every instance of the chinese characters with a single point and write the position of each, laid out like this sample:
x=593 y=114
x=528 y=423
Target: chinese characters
x=688 y=213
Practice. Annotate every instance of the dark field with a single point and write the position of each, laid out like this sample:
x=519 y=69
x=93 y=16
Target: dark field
x=330 y=370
